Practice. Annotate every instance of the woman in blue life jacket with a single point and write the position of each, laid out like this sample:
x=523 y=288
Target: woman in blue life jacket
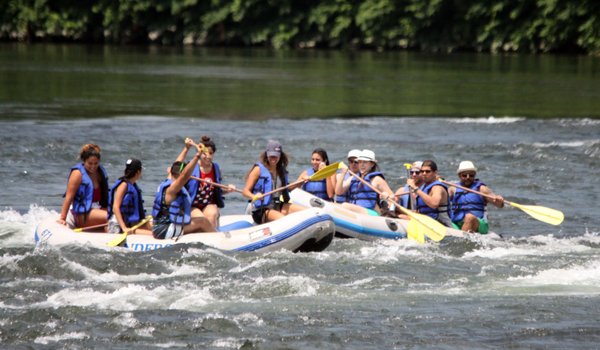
x=432 y=195
x=86 y=197
x=324 y=188
x=266 y=175
x=125 y=202
x=206 y=198
x=362 y=198
x=343 y=177
x=469 y=210
x=172 y=208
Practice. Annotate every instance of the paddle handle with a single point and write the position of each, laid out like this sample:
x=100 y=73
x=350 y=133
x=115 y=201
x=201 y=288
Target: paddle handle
x=473 y=191
x=80 y=229
x=295 y=183
x=216 y=184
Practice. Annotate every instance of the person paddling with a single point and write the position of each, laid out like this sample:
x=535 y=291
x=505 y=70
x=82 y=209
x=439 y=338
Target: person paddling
x=404 y=196
x=207 y=198
x=262 y=179
x=363 y=199
x=432 y=195
x=172 y=207
x=469 y=210
x=343 y=177
x=125 y=202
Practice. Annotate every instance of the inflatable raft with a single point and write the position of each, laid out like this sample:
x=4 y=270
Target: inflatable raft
x=307 y=230
x=361 y=226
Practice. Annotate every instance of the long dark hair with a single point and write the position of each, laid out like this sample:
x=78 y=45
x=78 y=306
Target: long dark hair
x=322 y=153
x=281 y=164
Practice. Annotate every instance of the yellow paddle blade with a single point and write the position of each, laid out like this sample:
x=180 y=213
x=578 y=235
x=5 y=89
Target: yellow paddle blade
x=324 y=173
x=407 y=166
x=547 y=215
x=414 y=233
x=342 y=165
x=117 y=241
x=428 y=226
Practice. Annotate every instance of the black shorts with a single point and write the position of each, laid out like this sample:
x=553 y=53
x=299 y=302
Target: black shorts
x=260 y=215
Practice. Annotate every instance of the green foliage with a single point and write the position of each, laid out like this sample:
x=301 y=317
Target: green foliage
x=433 y=25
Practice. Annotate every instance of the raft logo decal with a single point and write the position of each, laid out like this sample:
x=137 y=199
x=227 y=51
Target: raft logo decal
x=260 y=233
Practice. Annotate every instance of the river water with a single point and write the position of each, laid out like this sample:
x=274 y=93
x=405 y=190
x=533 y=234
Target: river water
x=539 y=287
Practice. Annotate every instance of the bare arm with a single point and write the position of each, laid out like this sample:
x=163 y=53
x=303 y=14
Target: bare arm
x=342 y=186
x=497 y=201
x=184 y=151
x=250 y=182
x=437 y=197
x=182 y=179
x=72 y=186
x=116 y=208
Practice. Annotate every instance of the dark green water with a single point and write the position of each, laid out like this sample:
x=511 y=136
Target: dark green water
x=71 y=81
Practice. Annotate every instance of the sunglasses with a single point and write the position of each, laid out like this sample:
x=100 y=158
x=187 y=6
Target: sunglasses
x=467 y=175
x=426 y=171
x=415 y=172
x=352 y=161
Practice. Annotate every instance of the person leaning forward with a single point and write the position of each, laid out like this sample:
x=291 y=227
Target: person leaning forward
x=469 y=211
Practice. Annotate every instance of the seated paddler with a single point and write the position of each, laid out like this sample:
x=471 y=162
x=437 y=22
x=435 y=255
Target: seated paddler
x=172 y=207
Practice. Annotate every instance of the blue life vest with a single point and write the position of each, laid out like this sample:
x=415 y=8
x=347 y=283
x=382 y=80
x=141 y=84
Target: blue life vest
x=346 y=196
x=82 y=203
x=264 y=184
x=317 y=188
x=132 y=206
x=404 y=199
x=434 y=213
x=180 y=209
x=193 y=185
x=467 y=202
x=361 y=194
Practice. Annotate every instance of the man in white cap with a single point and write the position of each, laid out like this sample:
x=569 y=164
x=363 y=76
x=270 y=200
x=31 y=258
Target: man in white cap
x=341 y=177
x=469 y=211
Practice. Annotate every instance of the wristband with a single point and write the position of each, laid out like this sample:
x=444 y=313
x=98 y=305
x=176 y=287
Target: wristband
x=414 y=190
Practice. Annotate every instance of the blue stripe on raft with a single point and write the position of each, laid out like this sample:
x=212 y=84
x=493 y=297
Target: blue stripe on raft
x=367 y=231
x=285 y=234
x=235 y=226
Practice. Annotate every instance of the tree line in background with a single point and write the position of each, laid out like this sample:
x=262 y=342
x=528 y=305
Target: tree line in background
x=428 y=25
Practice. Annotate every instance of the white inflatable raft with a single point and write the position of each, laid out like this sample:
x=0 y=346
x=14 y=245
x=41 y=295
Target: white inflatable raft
x=307 y=230
x=361 y=226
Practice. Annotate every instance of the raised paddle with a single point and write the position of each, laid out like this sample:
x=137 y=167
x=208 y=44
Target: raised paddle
x=80 y=229
x=423 y=225
x=324 y=173
x=216 y=184
x=547 y=215
x=117 y=241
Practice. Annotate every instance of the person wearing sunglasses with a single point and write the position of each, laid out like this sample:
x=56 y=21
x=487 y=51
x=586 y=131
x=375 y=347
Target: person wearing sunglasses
x=343 y=177
x=403 y=195
x=432 y=195
x=469 y=210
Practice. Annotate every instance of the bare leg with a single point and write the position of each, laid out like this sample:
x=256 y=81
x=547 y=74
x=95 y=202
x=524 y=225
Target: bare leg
x=273 y=215
x=471 y=223
x=289 y=208
x=95 y=217
x=211 y=212
x=199 y=223
x=355 y=208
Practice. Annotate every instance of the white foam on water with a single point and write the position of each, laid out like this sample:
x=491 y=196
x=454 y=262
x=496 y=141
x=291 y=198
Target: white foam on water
x=486 y=120
x=566 y=144
x=298 y=285
x=582 y=275
x=16 y=229
x=45 y=340
x=131 y=297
